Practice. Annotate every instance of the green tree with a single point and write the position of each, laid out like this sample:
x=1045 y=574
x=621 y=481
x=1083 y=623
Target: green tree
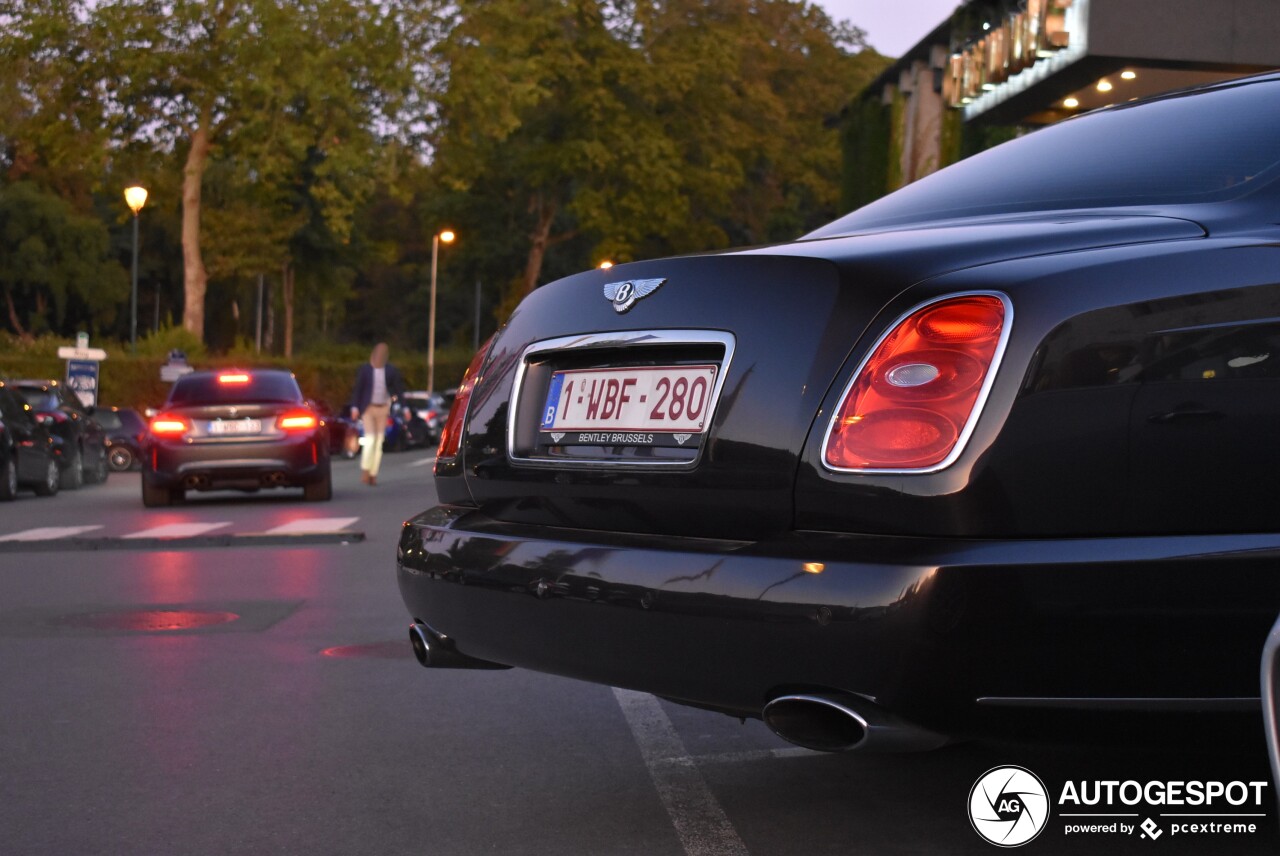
x=52 y=260
x=214 y=80
x=645 y=128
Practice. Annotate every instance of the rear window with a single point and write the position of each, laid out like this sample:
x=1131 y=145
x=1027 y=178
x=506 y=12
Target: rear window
x=40 y=400
x=1195 y=147
x=256 y=388
x=107 y=420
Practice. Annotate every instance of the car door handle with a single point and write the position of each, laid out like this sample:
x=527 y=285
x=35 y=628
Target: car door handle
x=1186 y=414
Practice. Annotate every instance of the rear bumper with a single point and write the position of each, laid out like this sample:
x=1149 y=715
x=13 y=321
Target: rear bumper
x=951 y=634
x=294 y=461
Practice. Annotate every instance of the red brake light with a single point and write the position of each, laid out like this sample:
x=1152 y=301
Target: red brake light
x=451 y=434
x=297 y=420
x=233 y=378
x=169 y=425
x=917 y=394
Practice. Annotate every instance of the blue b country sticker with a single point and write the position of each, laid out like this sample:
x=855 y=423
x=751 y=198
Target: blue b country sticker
x=553 y=402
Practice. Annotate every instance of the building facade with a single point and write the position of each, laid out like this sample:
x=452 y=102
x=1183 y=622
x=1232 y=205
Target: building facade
x=996 y=68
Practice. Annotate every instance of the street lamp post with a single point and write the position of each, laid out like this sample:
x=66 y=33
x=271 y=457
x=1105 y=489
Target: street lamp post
x=447 y=237
x=135 y=197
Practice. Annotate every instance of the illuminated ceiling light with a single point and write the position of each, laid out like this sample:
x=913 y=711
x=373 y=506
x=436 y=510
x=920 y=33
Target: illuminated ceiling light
x=813 y=567
x=1104 y=85
x=1128 y=75
x=1071 y=103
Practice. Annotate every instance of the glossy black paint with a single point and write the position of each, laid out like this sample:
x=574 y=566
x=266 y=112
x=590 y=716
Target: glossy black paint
x=924 y=626
x=1108 y=532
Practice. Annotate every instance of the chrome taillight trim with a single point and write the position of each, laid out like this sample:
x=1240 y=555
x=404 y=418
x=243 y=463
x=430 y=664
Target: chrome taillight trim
x=963 y=440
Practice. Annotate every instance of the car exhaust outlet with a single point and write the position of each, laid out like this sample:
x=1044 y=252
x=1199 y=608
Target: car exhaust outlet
x=842 y=722
x=436 y=651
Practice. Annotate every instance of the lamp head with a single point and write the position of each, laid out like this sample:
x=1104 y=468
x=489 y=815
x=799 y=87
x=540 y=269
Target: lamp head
x=447 y=236
x=135 y=197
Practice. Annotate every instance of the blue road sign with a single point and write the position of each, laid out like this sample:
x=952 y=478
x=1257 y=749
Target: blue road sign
x=82 y=377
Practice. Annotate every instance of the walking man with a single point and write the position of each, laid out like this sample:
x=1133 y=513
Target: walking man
x=378 y=383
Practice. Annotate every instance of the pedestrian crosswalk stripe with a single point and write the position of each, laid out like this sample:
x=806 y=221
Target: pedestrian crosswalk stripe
x=177 y=530
x=314 y=524
x=422 y=462
x=44 y=533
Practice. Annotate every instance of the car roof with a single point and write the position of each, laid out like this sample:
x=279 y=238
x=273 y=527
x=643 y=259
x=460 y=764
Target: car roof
x=28 y=383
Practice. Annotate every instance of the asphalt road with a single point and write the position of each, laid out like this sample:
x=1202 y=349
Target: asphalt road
x=218 y=696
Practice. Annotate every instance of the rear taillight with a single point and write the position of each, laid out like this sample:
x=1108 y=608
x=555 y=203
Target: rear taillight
x=298 y=420
x=451 y=434
x=915 y=399
x=169 y=425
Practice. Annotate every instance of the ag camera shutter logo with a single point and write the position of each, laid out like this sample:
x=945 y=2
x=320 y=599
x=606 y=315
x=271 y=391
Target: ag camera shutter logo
x=1008 y=806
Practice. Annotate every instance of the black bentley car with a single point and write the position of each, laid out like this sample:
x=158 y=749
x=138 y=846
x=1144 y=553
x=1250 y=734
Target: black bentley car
x=235 y=430
x=1001 y=446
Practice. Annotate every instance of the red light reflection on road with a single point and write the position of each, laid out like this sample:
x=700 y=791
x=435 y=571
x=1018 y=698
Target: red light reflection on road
x=381 y=650
x=149 y=620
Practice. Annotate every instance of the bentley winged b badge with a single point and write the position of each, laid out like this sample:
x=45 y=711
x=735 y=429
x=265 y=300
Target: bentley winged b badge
x=624 y=294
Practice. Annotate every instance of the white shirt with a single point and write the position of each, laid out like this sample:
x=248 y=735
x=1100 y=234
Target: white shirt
x=380 y=395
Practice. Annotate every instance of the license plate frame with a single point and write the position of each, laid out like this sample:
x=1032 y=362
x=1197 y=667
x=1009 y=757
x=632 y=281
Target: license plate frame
x=629 y=405
x=527 y=445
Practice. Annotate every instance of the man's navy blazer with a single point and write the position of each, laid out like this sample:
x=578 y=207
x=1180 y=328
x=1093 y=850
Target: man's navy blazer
x=363 y=392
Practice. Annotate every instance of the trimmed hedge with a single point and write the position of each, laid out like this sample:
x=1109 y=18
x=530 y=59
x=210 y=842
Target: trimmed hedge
x=127 y=381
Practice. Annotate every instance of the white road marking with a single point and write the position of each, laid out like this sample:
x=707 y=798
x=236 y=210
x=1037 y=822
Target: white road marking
x=422 y=462
x=756 y=755
x=177 y=530
x=702 y=826
x=314 y=524
x=48 y=533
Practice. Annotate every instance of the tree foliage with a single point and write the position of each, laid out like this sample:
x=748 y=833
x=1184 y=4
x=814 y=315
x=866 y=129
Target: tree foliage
x=320 y=143
x=55 y=264
x=653 y=127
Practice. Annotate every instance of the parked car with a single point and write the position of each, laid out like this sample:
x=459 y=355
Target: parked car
x=125 y=429
x=399 y=435
x=235 y=429
x=28 y=454
x=344 y=432
x=996 y=449
x=84 y=451
x=430 y=408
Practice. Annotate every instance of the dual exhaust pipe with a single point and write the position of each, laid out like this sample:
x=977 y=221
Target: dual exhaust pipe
x=434 y=650
x=823 y=722
x=843 y=722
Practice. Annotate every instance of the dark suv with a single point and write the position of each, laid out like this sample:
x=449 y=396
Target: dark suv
x=84 y=450
x=239 y=430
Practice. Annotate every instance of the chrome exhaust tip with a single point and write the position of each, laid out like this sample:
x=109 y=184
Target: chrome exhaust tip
x=434 y=650
x=841 y=722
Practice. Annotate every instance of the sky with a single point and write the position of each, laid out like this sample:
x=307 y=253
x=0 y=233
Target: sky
x=892 y=26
